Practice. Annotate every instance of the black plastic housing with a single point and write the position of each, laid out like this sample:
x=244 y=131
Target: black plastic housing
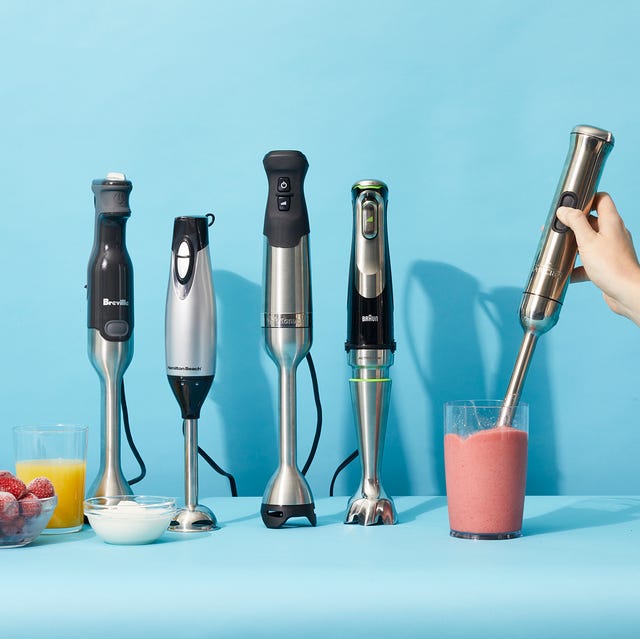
x=110 y=271
x=284 y=228
x=190 y=393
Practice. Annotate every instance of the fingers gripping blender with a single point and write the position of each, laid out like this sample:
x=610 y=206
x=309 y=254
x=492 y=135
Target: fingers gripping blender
x=110 y=322
x=190 y=345
x=287 y=324
x=556 y=255
x=370 y=347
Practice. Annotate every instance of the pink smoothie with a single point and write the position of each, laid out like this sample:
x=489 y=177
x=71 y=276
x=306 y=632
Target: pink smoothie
x=486 y=474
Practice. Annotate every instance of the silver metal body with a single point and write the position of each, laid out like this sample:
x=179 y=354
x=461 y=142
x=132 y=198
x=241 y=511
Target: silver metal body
x=190 y=347
x=190 y=321
x=370 y=392
x=110 y=359
x=194 y=517
x=370 y=383
x=287 y=332
x=557 y=250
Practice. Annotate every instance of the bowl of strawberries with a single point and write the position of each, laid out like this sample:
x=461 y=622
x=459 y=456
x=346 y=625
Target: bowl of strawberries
x=25 y=509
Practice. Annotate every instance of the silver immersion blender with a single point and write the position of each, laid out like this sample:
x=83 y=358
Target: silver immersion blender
x=556 y=255
x=110 y=322
x=190 y=345
x=287 y=324
x=370 y=347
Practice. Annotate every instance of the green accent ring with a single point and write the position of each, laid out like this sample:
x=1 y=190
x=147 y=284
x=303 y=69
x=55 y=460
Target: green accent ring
x=377 y=379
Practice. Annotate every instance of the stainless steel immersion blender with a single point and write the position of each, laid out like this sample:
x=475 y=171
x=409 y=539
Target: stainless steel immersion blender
x=190 y=345
x=370 y=347
x=110 y=322
x=287 y=324
x=556 y=255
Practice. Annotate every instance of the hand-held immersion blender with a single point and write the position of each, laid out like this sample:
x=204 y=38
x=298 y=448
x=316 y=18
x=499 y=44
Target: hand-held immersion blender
x=556 y=255
x=370 y=347
x=287 y=324
x=110 y=321
x=190 y=345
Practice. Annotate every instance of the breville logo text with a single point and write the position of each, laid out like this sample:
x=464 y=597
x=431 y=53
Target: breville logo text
x=107 y=302
x=369 y=318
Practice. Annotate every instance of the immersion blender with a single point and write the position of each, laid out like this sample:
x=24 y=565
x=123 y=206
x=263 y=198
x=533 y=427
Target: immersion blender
x=110 y=322
x=190 y=345
x=287 y=324
x=370 y=347
x=556 y=255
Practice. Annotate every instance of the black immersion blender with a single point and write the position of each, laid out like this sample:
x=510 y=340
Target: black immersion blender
x=110 y=322
x=370 y=347
x=287 y=324
x=554 y=261
x=190 y=345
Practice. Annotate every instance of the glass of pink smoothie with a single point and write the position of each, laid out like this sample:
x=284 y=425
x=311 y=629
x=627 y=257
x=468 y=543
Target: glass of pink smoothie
x=485 y=468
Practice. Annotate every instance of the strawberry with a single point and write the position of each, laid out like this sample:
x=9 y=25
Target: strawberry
x=30 y=506
x=9 y=509
x=13 y=485
x=14 y=527
x=41 y=487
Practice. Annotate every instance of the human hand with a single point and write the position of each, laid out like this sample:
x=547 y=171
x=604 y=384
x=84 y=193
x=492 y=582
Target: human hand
x=607 y=253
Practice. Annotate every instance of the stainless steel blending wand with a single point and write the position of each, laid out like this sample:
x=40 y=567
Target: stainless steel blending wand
x=110 y=322
x=287 y=324
x=190 y=344
x=370 y=346
x=556 y=255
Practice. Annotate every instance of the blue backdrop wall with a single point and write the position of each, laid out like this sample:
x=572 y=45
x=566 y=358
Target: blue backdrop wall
x=463 y=108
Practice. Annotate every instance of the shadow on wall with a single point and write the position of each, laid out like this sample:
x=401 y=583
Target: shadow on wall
x=247 y=407
x=448 y=357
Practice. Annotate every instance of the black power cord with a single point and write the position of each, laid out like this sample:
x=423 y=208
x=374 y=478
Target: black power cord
x=316 y=397
x=127 y=432
x=232 y=482
x=340 y=468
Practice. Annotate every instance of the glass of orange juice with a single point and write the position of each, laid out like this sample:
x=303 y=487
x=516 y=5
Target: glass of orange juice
x=59 y=453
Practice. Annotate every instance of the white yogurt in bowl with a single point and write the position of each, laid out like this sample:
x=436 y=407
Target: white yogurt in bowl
x=129 y=519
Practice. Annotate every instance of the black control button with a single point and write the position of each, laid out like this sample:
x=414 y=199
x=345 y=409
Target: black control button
x=566 y=199
x=116 y=328
x=284 y=203
x=284 y=184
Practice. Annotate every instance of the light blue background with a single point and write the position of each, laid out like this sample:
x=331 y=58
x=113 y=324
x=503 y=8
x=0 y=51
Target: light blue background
x=464 y=109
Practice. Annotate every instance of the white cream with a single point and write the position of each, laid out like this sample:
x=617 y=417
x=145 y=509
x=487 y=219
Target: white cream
x=130 y=523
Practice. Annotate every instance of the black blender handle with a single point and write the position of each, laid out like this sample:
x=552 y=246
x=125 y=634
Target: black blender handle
x=286 y=219
x=110 y=272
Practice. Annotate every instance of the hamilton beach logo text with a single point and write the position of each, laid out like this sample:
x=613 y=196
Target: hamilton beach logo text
x=369 y=318
x=184 y=368
x=107 y=302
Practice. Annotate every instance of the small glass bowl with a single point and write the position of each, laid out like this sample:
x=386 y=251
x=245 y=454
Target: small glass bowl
x=130 y=519
x=28 y=524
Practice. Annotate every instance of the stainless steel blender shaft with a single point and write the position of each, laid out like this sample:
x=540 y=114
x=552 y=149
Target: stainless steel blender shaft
x=110 y=359
x=556 y=255
x=370 y=392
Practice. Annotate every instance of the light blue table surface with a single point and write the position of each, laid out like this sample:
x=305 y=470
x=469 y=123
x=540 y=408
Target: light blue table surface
x=575 y=573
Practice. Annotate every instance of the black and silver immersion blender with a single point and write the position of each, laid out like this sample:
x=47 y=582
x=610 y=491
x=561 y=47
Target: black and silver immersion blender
x=556 y=255
x=370 y=347
x=287 y=324
x=110 y=322
x=190 y=345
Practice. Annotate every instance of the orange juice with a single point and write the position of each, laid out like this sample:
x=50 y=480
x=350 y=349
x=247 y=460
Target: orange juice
x=67 y=477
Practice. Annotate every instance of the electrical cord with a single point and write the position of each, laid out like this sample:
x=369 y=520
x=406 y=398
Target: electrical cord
x=127 y=432
x=316 y=397
x=340 y=468
x=232 y=481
